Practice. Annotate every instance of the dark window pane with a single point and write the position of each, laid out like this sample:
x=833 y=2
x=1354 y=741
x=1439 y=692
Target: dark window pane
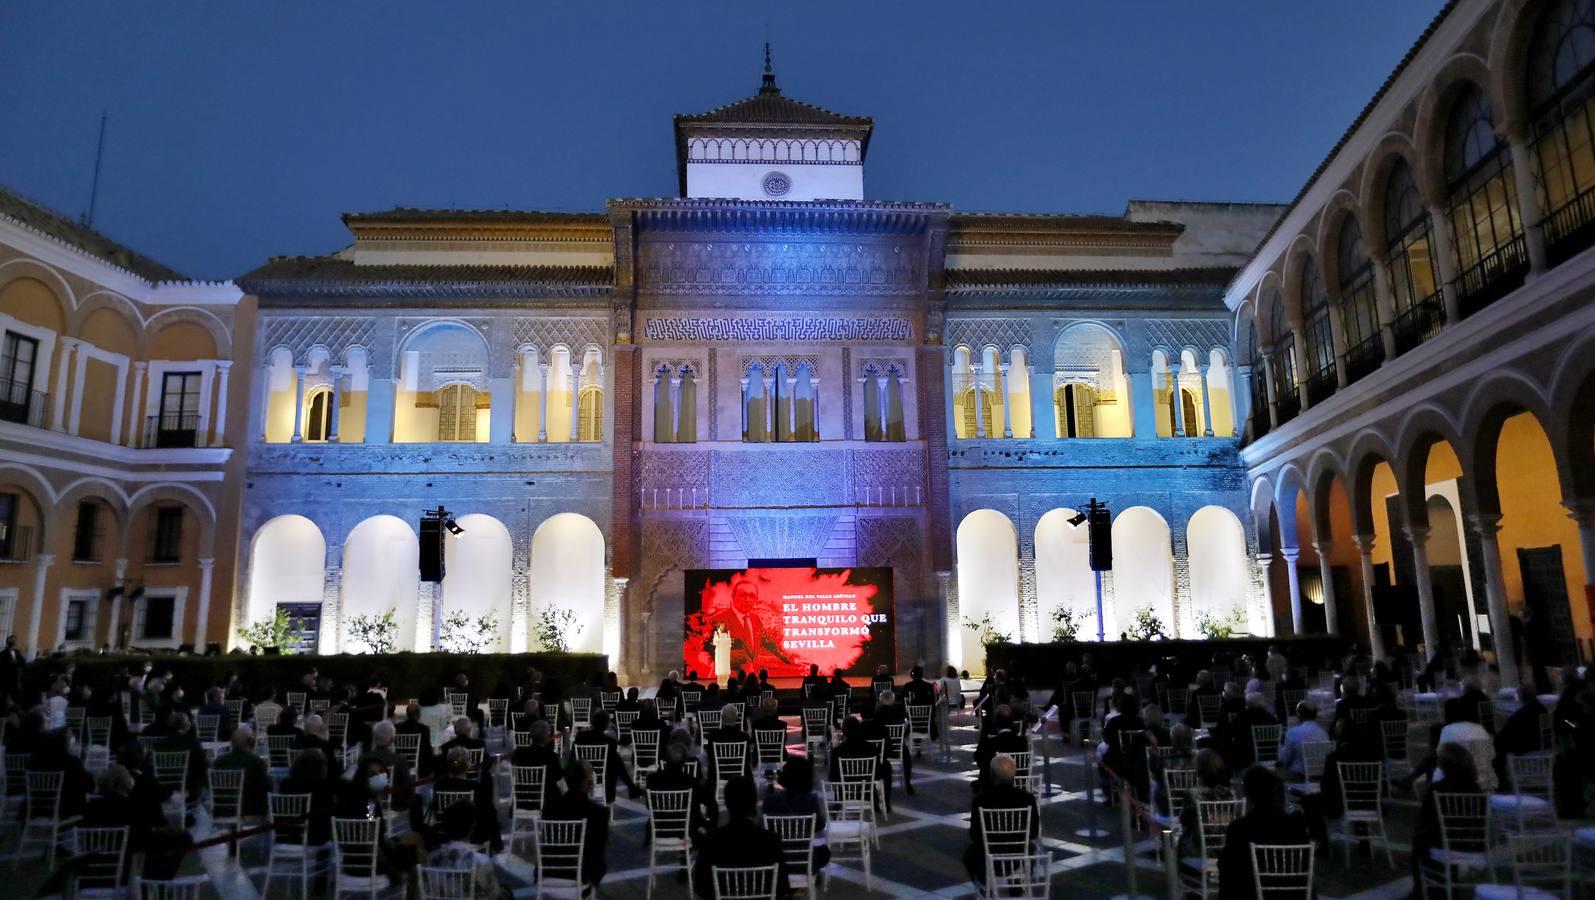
x=85 y=538
x=158 y=614
x=168 y=534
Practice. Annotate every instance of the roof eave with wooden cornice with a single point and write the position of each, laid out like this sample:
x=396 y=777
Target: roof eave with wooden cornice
x=780 y=217
x=456 y=226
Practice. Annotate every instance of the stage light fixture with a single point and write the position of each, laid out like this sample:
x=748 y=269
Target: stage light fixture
x=453 y=526
x=1077 y=519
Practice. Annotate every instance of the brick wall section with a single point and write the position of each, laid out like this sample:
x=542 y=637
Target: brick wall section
x=624 y=538
x=933 y=421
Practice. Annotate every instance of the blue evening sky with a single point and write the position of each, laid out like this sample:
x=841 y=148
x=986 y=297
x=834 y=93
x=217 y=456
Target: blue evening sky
x=241 y=130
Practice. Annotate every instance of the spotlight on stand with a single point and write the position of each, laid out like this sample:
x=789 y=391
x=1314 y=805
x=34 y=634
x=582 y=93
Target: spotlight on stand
x=453 y=526
x=1077 y=519
x=431 y=531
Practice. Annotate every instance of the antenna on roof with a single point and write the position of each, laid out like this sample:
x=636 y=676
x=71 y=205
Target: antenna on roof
x=94 y=186
x=769 y=86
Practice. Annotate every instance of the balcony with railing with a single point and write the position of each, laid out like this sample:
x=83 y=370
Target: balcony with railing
x=1259 y=419
x=1321 y=385
x=1493 y=277
x=21 y=404
x=1570 y=227
x=16 y=543
x=1364 y=358
x=1287 y=404
x=1418 y=324
x=172 y=430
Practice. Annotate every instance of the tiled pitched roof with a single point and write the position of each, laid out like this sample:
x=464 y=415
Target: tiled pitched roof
x=329 y=276
x=1049 y=278
x=534 y=217
x=773 y=109
x=49 y=222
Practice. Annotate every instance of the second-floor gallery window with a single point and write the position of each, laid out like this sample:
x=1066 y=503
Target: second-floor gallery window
x=166 y=543
x=177 y=424
x=18 y=358
x=86 y=536
x=318 y=415
x=1483 y=202
x=457 y=413
x=10 y=540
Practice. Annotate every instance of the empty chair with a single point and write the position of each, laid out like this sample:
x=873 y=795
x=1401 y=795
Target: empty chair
x=458 y=700
x=356 y=858
x=498 y=709
x=97 y=731
x=1361 y=794
x=770 y=744
x=100 y=858
x=266 y=714
x=1394 y=736
x=337 y=728
x=1178 y=782
x=644 y=751
x=1207 y=706
x=669 y=815
x=581 y=712
x=797 y=847
x=1542 y=868
x=1265 y=744
x=918 y=725
x=608 y=700
x=187 y=888
x=447 y=884
x=1085 y=704
x=1283 y=870
x=291 y=853
x=526 y=801
x=296 y=700
x=559 y=857
x=42 y=827
x=850 y=810
x=1530 y=803
x=751 y=883
x=708 y=720
x=816 y=729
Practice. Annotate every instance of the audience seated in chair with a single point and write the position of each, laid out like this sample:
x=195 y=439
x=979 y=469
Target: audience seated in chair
x=1001 y=794
x=1265 y=822
x=576 y=804
x=740 y=843
x=257 y=776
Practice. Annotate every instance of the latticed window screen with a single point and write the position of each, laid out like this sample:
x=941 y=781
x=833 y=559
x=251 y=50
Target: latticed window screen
x=457 y=413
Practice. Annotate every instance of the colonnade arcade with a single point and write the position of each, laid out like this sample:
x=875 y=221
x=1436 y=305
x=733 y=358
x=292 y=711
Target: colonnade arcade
x=1478 y=504
x=1198 y=571
x=489 y=573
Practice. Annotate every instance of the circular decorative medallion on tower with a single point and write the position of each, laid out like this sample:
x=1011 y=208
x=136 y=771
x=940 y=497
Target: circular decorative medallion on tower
x=776 y=184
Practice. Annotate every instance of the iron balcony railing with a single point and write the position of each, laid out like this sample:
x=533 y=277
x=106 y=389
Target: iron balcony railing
x=1418 y=324
x=16 y=543
x=21 y=404
x=1492 y=277
x=1364 y=358
x=1321 y=385
x=1570 y=227
x=172 y=430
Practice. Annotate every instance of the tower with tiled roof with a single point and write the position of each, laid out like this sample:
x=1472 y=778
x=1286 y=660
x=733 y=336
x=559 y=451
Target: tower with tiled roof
x=772 y=147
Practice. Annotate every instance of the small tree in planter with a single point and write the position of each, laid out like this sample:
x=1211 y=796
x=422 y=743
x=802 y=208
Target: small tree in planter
x=1066 y=623
x=275 y=631
x=1147 y=626
x=556 y=628
x=1216 y=629
x=380 y=634
x=461 y=633
x=989 y=634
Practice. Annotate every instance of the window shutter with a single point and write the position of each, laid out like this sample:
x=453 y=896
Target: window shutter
x=1085 y=413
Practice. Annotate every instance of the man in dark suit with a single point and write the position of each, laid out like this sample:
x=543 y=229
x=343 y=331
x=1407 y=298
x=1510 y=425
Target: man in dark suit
x=1236 y=737
x=741 y=843
x=180 y=737
x=1265 y=822
x=540 y=754
x=727 y=733
x=1003 y=737
x=614 y=768
x=370 y=707
x=890 y=712
x=672 y=775
x=425 y=764
x=257 y=778
x=314 y=737
x=577 y=804
x=11 y=664
x=473 y=700
x=1000 y=795
x=1520 y=733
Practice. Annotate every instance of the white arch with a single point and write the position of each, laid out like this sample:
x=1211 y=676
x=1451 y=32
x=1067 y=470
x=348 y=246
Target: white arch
x=286 y=565
x=988 y=582
x=568 y=572
x=1143 y=570
x=380 y=572
x=476 y=580
x=1215 y=546
x=1063 y=573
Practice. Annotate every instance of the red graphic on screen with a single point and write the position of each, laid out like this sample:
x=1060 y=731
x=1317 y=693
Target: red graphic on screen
x=785 y=620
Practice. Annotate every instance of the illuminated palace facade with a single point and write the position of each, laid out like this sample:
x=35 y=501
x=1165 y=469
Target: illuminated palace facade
x=1383 y=389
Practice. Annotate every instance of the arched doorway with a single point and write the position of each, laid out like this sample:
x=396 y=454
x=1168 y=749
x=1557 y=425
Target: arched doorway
x=380 y=573
x=1143 y=571
x=1215 y=543
x=287 y=566
x=988 y=584
x=1064 y=580
x=568 y=575
x=476 y=581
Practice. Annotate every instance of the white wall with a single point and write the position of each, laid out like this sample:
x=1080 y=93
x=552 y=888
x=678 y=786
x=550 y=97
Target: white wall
x=1143 y=570
x=477 y=565
x=1063 y=573
x=1215 y=543
x=286 y=566
x=380 y=572
x=745 y=181
x=568 y=572
x=988 y=582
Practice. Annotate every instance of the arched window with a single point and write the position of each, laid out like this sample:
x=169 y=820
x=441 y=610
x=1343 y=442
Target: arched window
x=1076 y=410
x=1316 y=330
x=883 y=403
x=591 y=423
x=456 y=413
x=1358 y=313
x=1491 y=256
x=318 y=414
x=1561 y=96
x=675 y=404
x=1259 y=380
x=1418 y=312
x=1286 y=401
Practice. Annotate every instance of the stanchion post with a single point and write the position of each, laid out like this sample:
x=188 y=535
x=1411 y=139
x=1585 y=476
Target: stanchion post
x=1127 y=824
x=1171 y=865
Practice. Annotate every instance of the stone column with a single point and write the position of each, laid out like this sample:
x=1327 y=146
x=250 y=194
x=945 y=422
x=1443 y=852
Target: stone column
x=575 y=402
x=1179 y=401
x=1485 y=526
x=791 y=407
x=744 y=383
x=119 y=582
x=542 y=416
x=135 y=426
x=1376 y=642
x=1263 y=561
x=265 y=401
x=1240 y=398
x=1299 y=349
x=380 y=398
x=333 y=402
x=1528 y=204
x=219 y=425
x=1207 y=411
x=1184 y=623
x=1291 y=555
x=675 y=406
x=882 y=403
x=1419 y=536
x=1000 y=383
x=1327 y=575
x=980 y=421
x=207 y=569
x=1143 y=395
x=1273 y=390
x=1385 y=304
x=769 y=408
x=814 y=405
x=41 y=568
x=58 y=402
x=1582 y=512
x=614 y=598
x=427 y=608
x=299 y=402
x=1444 y=257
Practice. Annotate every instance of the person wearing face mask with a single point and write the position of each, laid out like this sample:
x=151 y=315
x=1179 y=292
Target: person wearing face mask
x=365 y=797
